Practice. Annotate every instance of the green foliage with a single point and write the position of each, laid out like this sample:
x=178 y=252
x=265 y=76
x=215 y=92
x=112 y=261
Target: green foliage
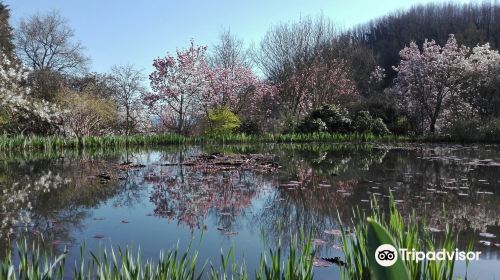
x=54 y=143
x=364 y=123
x=379 y=127
x=491 y=129
x=311 y=125
x=250 y=127
x=400 y=126
x=408 y=233
x=329 y=118
x=221 y=121
x=335 y=118
x=33 y=264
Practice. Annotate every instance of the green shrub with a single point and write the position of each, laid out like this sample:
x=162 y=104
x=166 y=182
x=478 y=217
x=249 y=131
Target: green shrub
x=379 y=127
x=335 y=118
x=329 y=118
x=221 y=121
x=250 y=127
x=310 y=125
x=363 y=122
x=491 y=130
x=401 y=126
x=465 y=130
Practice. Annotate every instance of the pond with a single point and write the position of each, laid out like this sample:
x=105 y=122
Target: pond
x=152 y=199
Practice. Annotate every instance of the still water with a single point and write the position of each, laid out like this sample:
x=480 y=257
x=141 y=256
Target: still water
x=156 y=202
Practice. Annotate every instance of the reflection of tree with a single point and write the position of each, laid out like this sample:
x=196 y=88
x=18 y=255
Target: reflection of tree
x=188 y=194
x=315 y=183
x=53 y=196
x=49 y=198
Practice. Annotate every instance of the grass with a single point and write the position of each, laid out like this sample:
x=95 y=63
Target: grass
x=407 y=233
x=49 y=143
x=173 y=265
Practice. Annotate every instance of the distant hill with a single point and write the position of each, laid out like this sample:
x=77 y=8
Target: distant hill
x=472 y=24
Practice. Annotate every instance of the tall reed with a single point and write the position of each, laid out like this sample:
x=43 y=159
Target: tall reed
x=49 y=143
x=407 y=233
x=173 y=264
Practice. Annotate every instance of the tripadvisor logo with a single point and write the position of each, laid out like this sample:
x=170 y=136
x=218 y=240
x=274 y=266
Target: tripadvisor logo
x=386 y=255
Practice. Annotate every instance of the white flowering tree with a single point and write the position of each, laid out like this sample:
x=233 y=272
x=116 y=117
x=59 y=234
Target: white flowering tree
x=443 y=86
x=18 y=111
x=482 y=77
x=430 y=81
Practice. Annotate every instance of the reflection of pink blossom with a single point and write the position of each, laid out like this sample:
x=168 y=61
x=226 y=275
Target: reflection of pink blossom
x=190 y=199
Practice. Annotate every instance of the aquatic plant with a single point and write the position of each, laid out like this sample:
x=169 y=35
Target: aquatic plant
x=174 y=264
x=359 y=246
x=50 y=143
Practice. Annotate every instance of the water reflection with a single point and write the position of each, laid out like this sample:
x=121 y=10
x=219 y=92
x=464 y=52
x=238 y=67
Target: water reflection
x=57 y=195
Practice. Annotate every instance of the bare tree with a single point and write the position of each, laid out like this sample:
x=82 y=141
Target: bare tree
x=229 y=51
x=45 y=43
x=288 y=48
x=128 y=87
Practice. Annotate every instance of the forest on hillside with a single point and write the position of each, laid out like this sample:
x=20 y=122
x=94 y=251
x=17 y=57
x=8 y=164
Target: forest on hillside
x=430 y=70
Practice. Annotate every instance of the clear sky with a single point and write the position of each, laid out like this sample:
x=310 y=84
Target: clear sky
x=133 y=31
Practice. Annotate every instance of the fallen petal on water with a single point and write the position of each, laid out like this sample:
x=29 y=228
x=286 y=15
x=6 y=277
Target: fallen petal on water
x=335 y=232
x=487 y=235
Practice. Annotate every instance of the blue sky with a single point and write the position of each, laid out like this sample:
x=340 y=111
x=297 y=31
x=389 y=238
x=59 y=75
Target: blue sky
x=125 y=31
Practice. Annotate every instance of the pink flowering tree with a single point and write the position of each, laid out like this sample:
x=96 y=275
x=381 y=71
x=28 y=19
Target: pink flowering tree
x=430 y=82
x=239 y=89
x=185 y=89
x=179 y=84
x=320 y=83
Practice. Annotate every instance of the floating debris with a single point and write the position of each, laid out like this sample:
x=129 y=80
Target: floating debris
x=223 y=162
x=335 y=232
x=98 y=236
x=338 y=247
x=484 y=242
x=319 y=242
x=319 y=262
x=487 y=235
x=433 y=229
x=326 y=262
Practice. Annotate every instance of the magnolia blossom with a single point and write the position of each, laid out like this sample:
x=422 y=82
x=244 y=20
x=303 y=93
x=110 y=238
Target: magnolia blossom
x=430 y=82
x=440 y=86
x=15 y=98
x=185 y=88
x=178 y=85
